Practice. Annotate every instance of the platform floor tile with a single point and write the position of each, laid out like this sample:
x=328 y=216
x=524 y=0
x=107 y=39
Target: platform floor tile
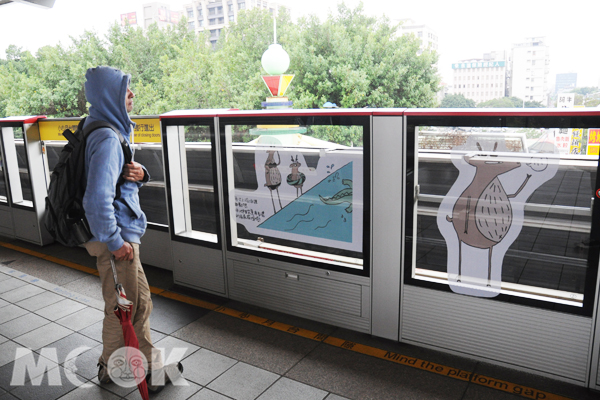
x=174 y=348
x=361 y=377
x=22 y=325
x=21 y=293
x=40 y=301
x=81 y=319
x=11 y=312
x=60 y=309
x=243 y=382
x=204 y=366
x=169 y=315
x=43 y=336
x=37 y=389
x=289 y=389
x=254 y=344
x=206 y=394
x=90 y=391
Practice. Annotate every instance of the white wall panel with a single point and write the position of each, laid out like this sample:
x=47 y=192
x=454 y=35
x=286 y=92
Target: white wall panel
x=198 y=267
x=387 y=182
x=156 y=249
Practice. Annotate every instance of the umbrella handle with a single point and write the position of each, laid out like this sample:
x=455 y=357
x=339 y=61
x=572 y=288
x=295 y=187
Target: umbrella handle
x=122 y=301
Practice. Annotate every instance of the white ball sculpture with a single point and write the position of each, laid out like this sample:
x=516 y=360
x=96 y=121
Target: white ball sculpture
x=275 y=60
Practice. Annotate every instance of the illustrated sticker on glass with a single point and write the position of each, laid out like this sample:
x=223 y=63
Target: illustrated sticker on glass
x=505 y=211
x=484 y=210
x=308 y=193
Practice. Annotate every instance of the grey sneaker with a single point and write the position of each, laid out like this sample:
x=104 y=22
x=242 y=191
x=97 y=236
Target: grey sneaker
x=157 y=380
x=103 y=376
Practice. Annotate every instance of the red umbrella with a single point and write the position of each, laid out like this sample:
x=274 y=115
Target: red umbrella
x=134 y=358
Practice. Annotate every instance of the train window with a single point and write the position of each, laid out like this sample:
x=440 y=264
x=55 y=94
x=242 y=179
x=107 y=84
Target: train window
x=152 y=193
x=17 y=167
x=296 y=190
x=192 y=184
x=505 y=211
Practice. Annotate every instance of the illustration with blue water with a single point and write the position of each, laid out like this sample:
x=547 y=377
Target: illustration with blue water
x=320 y=205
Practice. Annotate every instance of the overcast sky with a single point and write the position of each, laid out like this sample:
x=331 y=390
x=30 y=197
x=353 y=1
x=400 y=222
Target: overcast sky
x=466 y=28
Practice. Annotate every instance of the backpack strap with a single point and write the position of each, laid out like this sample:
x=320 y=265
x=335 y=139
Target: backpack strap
x=124 y=145
x=71 y=137
x=103 y=124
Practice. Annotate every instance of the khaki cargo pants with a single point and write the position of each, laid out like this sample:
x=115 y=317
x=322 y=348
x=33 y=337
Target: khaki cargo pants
x=131 y=275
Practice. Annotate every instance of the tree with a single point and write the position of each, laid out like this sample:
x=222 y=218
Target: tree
x=357 y=61
x=534 y=104
x=142 y=54
x=185 y=79
x=237 y=81
x=585 y=90
x=51 y=83
x=517 y=102
x=509 y=102
x=350 y=59
x=587 y=96
x=457 y=101
x=502 y=102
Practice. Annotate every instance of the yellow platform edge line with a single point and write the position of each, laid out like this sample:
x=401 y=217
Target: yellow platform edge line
x=46 y=257
x=424 y=365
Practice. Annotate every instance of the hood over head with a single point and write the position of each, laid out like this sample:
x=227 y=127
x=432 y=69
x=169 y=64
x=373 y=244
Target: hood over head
x=105 y=90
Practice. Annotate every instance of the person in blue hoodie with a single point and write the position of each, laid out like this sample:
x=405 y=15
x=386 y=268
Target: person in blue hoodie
x=117 y=222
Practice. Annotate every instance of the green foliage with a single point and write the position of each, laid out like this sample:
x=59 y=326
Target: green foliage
x=585 y=90
x=531 y=133
x=351 y=136
x=51 y=82
x=350 y=59
x=509 y=102
x=358 y=61
x=235 y=80
x=457 y=101
x=593 y=102
x=534 y=104
x=587 y=96
x=197 y=133
x=502 y=102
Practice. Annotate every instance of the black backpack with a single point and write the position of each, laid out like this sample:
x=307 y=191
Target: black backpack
x=65 y=217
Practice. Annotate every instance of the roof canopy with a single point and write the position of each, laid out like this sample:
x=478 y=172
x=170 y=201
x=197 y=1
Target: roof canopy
x=38 y=3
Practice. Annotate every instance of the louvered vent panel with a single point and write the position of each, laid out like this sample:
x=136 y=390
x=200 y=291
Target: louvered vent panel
x=327 y=300
x=542 y=340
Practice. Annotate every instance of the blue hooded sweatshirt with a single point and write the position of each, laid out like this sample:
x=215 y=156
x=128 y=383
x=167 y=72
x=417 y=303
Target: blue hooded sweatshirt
x=112 y=221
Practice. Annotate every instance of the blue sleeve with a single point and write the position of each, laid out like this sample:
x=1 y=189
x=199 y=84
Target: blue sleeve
x=146 y=177
x=104 y=158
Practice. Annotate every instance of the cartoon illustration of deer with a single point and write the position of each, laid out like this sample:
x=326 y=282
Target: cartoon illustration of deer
x=482 y=215
x=273 y=176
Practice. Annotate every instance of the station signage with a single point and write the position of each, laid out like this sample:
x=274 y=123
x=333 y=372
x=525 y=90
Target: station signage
x=147 y=130
x=593 y=145
x=565 y=100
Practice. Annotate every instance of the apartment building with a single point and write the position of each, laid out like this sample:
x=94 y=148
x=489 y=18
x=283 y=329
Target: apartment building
x=565 y=82
x=161 y=14
x=481 y=79
x=530 y=63
x=214 y=15
x=427 y=36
